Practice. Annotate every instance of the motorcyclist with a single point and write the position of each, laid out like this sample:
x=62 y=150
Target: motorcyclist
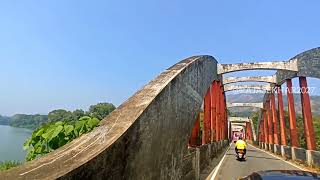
x=240 y=144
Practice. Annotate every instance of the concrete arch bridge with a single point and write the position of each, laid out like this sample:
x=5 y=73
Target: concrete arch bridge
x=161 y=131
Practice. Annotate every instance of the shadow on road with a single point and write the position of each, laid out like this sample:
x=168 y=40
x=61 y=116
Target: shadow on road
x=249 y=150
x=250 y=156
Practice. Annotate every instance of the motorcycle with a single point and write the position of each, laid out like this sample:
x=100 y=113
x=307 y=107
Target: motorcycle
x=240 y=155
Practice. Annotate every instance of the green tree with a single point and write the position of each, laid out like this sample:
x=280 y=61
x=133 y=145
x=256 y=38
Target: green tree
x=28 y=121
x=101 y=110
x=77 y=114
x=60 y=115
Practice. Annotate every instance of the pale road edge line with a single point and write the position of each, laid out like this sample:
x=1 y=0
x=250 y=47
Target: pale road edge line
x=214 y=173
x=292 y=164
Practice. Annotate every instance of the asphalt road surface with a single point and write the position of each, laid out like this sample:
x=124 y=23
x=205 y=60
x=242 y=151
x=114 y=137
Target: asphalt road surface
x=257 y=160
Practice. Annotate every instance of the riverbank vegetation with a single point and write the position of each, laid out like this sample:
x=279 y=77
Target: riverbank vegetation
x=64 y=126
x=33 y=122
x=56 y=134
x=54 y=130
x=5 y=165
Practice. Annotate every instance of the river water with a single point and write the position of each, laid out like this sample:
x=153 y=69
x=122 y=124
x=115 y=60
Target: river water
x=11 y=143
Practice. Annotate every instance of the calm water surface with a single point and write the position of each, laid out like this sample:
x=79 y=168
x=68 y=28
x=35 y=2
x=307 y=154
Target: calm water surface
x=11 y=143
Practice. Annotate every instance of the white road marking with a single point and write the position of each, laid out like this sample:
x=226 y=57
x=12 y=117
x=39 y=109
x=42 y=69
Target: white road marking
x=292 y=164
x=214 y=173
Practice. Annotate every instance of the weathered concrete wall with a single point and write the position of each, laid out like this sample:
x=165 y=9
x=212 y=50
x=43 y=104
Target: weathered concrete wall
x=299 y=154
x=267 y=79
x=276 y=65
x=308 y=64
x=238 y=119
x=286 y=152
x=256 y=105
x=229 y=87
x=209 y=155
x=277 y=149
x=189 y=165
x=145 y=138
x=271 y=148
x=204 y=156
x=313 y=158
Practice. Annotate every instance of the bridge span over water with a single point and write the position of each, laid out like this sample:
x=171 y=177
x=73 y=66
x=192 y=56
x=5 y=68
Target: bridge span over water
x=161 y=132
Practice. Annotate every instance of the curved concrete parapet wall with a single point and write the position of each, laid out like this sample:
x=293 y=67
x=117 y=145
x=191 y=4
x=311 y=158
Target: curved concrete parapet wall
x=308 y=64
x=277 y=65
x=255 y=105
x=238 y=119
x=229 y=87
x=267 y=79
x=145 y=138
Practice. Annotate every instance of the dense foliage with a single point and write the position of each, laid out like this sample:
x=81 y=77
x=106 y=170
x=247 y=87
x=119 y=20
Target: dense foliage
x=56 y=134
x=8 y=164
x=28 y=121
x=99 y=111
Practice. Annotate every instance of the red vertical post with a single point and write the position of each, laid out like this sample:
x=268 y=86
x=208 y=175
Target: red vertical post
x=307 y=114
x=270 y=125
x=262 y=131
x=259 y=134
x=249 y=131
x=207 y=118
x=246 y=130
x=213 y=110
x=221 y=114
x=224 y=115
x=218 y=96
x=274 y=119
x=230 y=131
x=194 y=140
x=292 y=115
x=265 y=126
x=281 y=117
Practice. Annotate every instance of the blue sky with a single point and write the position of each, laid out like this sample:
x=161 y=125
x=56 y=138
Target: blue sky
x=71 y=54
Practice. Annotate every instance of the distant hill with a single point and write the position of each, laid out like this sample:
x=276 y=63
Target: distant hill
x=258 y=97
x=4 y=120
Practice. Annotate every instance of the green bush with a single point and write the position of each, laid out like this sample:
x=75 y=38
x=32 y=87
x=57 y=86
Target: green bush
x=56 y=134
x=8 y=164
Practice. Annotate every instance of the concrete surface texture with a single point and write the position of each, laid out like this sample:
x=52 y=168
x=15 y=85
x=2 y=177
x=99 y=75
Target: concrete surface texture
x=230 y=87
x=313 y=158
x=267 y=79
x=256 y=105
x=257 y=160
x=238 y=119
x=275 y=65
x=299 y=154
x=144 y=138
x=286 y=152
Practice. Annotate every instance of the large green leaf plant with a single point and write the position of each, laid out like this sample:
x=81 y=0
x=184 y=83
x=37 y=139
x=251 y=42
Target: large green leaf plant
x=54 y=135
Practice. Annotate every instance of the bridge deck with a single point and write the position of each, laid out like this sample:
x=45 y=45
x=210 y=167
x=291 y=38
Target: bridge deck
x=257 y=160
